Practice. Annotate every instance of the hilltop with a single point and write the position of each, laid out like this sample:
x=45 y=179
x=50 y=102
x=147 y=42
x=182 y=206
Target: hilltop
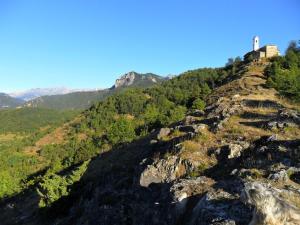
x=205 y=147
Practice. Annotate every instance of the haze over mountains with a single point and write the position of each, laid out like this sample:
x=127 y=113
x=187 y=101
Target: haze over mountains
x=7 y=101
x=63 y=98
x=38 y=92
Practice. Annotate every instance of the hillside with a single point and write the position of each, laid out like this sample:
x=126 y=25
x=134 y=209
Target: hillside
x=9 y=102
x=82 y=100
x=71 y=101
x=31 y=119
x=211 y=146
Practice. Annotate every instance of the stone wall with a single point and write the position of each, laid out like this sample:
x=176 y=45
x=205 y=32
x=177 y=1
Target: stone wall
x=267 y=51
x=271 y=50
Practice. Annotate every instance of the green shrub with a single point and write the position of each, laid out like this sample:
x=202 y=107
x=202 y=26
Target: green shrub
x=121 y=131
x=52 y=186
x=198 y=104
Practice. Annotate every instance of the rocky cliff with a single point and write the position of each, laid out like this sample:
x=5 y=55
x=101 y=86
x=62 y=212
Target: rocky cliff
x=137 y=79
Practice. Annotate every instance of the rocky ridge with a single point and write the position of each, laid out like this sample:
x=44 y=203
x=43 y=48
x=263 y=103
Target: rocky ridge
x=224 y=165
x=137 y=79
x=196 y=171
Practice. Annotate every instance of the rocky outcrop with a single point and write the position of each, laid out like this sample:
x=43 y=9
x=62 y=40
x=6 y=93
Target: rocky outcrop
x=219 y=207
x=269 y=208
x=125 y=80
x=165 y=171
x=284 y=118
x=185 y=191
x=219 y=112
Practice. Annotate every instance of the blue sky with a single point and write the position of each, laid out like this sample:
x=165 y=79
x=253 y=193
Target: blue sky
x=89 y=43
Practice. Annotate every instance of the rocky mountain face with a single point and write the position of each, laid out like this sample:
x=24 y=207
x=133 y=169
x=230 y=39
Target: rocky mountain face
x=7 y=101
x=236 y=162
x=137 y=79
x=125 y=80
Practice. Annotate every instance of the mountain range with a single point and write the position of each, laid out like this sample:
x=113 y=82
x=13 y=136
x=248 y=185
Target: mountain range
x=38 y=92
x=7 y=101
x=64 y=98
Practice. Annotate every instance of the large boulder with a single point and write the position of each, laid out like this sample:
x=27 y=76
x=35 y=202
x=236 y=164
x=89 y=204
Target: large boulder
x=184 y=190
x=269 y=208
x=219 y=207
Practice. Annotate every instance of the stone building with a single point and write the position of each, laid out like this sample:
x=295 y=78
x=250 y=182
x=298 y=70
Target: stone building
x=257 y=54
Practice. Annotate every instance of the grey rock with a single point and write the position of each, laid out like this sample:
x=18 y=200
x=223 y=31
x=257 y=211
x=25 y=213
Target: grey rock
x=195 y=128
x=182 y=189
x=163 y=132
x=269 y=208
x=272 y=138
x=235 y=149
x=216 y=207
x=279 y=176
x=165 y=171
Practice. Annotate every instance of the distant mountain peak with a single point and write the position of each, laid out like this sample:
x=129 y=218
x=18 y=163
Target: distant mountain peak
x=133 y=78
x=39 y=92
x=126 y=79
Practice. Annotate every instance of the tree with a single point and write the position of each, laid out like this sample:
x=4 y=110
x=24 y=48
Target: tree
x=121 y=131
x=198 y=104
x=230 y=62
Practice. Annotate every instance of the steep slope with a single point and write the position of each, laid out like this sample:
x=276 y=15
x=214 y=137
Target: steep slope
x=82 y=100
x=9 y=102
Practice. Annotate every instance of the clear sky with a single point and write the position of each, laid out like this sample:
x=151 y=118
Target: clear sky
x=89 y=43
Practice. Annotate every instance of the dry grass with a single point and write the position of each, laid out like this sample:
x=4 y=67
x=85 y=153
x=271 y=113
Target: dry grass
x=198 y=153
x=174 y=134
x=55 y=137
x=10 y=137
x=233 y=127
x=291 y=133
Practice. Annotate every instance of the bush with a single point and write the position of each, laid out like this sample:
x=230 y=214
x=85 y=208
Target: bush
x=52 y=186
